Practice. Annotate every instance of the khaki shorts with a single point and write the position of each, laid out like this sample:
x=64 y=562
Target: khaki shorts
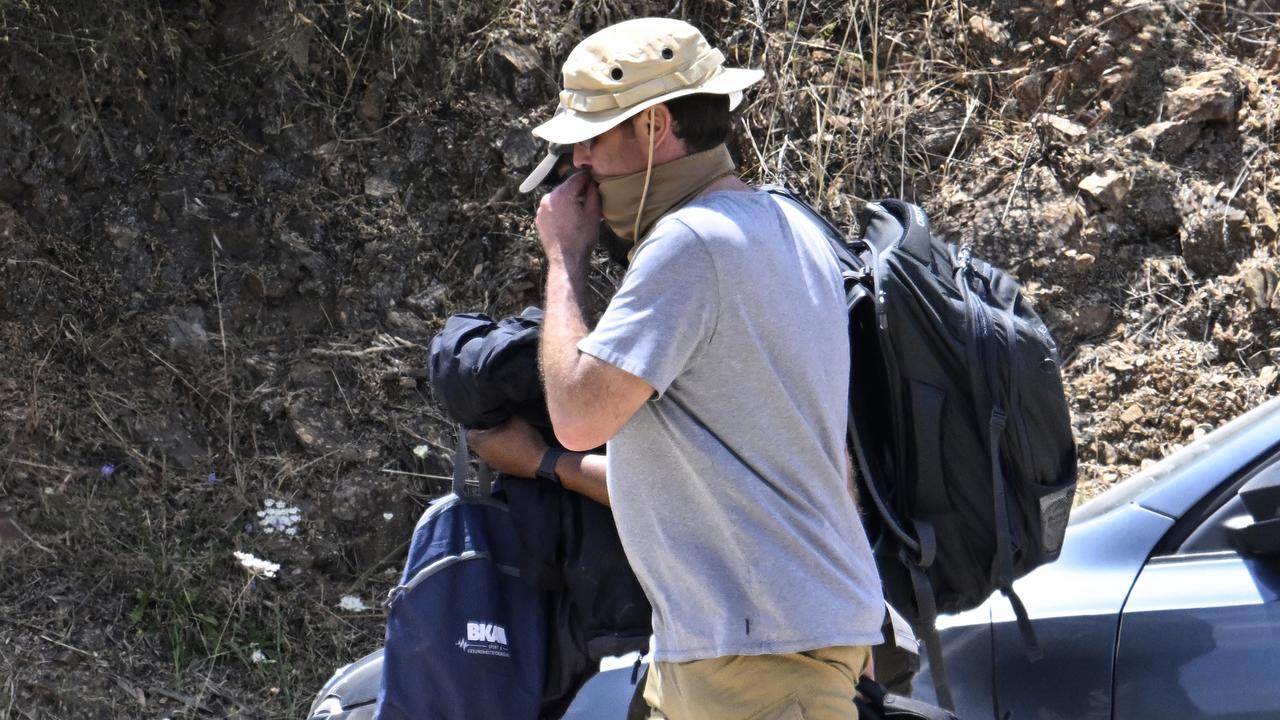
x=812 y=685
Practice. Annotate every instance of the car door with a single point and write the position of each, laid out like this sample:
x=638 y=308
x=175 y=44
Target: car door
x=1200 y=631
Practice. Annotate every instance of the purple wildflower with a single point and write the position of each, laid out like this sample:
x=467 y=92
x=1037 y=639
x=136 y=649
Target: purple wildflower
x=108 y=470
x=213 y=478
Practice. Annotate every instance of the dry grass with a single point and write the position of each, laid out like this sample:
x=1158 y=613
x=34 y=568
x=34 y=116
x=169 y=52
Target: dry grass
x=120 y=595
x=853 y=90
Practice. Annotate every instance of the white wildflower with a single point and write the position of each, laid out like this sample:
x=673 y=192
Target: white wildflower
x=351 y=603
x=387 y=516
x=278 y=517
x=258 y=657
x=256 y=565
x=422 y=451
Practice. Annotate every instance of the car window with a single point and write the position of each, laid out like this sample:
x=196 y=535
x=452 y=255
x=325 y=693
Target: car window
x=1210 y=535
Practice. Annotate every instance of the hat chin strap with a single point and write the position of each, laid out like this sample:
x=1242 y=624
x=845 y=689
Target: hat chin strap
x=648 y=172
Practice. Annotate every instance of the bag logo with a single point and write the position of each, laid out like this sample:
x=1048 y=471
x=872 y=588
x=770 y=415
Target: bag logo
x=485 y=639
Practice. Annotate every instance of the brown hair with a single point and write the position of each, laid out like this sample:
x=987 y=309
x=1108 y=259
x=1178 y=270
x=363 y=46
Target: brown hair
x=701 y=120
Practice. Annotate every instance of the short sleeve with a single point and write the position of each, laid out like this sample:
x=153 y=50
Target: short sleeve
x=664 y=313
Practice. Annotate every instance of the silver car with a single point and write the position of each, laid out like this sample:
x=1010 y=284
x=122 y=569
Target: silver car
x=1165 y=603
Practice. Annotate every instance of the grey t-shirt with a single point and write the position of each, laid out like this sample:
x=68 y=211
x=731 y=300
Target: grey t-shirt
x=728 y=486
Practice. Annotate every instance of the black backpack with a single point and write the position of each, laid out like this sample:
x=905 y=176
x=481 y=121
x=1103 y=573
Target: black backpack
x=957 y=419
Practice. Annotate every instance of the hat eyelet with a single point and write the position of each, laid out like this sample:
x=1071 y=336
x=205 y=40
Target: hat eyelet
x=616 y=73
x=667 y=54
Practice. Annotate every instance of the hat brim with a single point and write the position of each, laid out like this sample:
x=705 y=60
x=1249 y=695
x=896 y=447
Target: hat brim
x=543 y=169
x=568 y=127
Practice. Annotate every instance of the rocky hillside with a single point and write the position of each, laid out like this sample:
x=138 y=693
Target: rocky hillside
x=229 y=228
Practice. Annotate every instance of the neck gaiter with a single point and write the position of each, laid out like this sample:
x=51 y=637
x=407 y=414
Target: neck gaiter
x=671 y=185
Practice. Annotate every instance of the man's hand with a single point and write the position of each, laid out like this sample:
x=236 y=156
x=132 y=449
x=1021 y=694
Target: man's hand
x=568 y=220
x=588 y=399
x=515 y=447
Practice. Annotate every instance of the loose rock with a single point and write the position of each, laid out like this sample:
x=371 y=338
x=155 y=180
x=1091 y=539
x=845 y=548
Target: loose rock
x=1267 y=377
x=1211 y=235
x=372 y=104
x=1263 y=288
x=1168 y=140
x=1132 y=414
x=408 y=324
x=518 y=71
x=1108 y=189
x=1206 y=97
x=1064 y=129
x=1265 y=219
x=519 y=149
x=1028 y=92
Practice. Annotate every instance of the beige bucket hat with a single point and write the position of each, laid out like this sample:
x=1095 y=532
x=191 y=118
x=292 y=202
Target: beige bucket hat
x=625 y=68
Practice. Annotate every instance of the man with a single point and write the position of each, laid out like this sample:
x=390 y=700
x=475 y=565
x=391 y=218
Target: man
x=718 y=376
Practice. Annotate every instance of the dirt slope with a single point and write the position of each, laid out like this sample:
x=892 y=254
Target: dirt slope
x=229 y=229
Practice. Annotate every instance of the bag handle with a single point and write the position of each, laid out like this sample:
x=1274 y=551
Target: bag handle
x=895 y=707
x=461 y=458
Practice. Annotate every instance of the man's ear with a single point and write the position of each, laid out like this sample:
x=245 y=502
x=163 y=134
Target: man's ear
x=660 y=116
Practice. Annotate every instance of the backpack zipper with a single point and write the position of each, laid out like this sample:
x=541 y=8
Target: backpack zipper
x=439 y=565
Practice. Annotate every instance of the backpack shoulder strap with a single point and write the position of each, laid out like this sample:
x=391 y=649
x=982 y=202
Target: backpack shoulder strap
x=781 y=191
x=461 y=461
x=899 y=225
x=854 y=257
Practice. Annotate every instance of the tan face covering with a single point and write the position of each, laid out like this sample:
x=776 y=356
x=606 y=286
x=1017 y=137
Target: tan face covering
x=624 y=199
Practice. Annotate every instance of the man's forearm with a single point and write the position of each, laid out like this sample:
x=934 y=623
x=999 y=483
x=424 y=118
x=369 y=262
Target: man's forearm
x=584 y=473
x=588 y=399
x=564 y=325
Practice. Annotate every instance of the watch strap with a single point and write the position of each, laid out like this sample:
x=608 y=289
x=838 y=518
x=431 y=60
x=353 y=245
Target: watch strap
x=547 y=468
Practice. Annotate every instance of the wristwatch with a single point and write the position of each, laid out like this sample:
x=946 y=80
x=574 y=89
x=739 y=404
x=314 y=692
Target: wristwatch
x=547 y=468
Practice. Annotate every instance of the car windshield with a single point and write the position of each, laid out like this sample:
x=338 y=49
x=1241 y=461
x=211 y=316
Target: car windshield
x=1155 y=475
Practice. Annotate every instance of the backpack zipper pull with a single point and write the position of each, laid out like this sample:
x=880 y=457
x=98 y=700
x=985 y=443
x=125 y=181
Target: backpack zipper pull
x=861 y=276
